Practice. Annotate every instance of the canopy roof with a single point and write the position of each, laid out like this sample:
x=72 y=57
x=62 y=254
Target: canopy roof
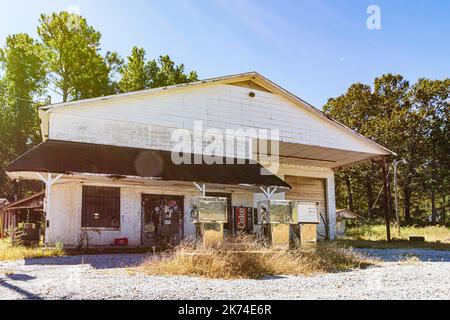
x=346 y=214
x=33 y=201
x=65 y=157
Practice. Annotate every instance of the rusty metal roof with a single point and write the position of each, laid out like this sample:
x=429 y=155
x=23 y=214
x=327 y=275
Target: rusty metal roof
x=32 y=201
x=75 y=157
x=347 y=214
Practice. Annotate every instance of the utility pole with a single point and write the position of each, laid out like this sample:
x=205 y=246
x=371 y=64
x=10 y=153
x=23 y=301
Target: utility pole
x=397 y=213
x=385 y=167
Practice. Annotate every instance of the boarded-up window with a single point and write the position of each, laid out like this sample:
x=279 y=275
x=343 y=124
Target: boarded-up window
x=101 y=207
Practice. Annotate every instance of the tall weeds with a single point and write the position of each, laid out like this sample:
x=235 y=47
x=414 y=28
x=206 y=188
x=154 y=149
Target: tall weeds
x=8 y=251
x=248 y=260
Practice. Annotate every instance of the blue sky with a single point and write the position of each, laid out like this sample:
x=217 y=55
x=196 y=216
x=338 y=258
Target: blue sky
x=313 y=48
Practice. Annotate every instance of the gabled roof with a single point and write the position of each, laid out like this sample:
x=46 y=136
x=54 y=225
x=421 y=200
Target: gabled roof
x=237 y=79
x=347 y=214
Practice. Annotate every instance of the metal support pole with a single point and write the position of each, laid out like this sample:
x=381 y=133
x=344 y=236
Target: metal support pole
x=273 y=191
x=201 y=188
x=384 y=166
x=265 y=192
x=48 y=187
x=397 y=214
x=269 y=192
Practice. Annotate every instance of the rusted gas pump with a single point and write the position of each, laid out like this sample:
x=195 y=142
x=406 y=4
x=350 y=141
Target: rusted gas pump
x=209 y=214
x=276 y=217
x=308 y=220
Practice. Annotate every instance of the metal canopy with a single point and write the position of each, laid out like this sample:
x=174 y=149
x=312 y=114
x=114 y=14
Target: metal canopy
x=62 y=157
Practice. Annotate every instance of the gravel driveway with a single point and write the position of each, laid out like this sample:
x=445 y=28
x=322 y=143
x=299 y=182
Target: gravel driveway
x=105 y=277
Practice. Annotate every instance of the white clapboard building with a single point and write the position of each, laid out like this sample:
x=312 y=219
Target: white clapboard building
x=111 y=173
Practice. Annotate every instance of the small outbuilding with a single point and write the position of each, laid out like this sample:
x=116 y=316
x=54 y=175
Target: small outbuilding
x=26 y=214
x=342 y=216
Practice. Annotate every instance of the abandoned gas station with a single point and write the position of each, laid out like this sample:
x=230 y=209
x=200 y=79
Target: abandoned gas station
x=109 y=170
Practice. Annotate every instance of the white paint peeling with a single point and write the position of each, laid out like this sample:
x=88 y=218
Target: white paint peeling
x=147 y=121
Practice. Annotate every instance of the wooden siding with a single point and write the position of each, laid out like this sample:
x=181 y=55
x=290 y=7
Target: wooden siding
x=148 y=121
x=309 y=189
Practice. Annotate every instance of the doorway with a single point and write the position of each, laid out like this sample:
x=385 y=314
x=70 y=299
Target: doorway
x=162 y=220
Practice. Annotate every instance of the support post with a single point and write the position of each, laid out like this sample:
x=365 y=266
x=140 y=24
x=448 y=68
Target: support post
x=269 y=192
x=384 y=165
x=397 y=214
x=201 y=188
x=49 y=182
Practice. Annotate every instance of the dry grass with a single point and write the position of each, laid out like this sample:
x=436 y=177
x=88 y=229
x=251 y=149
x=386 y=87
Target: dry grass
x=248 y=260
x=409 y=259
x=6 y=272
x=378 y=233
x=10 y=252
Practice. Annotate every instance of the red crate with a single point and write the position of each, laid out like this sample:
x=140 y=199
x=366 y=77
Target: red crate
x=121 y=242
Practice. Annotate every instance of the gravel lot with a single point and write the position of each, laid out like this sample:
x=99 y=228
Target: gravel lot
x=105 y=277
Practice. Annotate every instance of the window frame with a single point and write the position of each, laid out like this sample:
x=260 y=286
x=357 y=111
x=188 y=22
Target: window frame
x=109 y=199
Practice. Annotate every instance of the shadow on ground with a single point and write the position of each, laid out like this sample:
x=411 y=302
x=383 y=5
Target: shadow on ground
x=19 y=278
x=106 y=261
x=395 y=255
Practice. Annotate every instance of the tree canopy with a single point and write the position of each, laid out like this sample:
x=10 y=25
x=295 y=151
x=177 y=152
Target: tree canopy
x=66 y=59
x=412 y=121
x=139 y=74
x=23 y=81
x=71 y=50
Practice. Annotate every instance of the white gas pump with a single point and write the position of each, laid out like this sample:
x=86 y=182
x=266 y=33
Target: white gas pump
x=308 y=220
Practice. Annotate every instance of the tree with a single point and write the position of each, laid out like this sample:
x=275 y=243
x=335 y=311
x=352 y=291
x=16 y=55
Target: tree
x=65 y=59
x=114 y=63
x=164 y=73
x=356 y=186
x=413 y=122
x=136 y=73
x=139 y=74
x=431 y=100
x=6 y=130
x=23 y=82
x=71 y=51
